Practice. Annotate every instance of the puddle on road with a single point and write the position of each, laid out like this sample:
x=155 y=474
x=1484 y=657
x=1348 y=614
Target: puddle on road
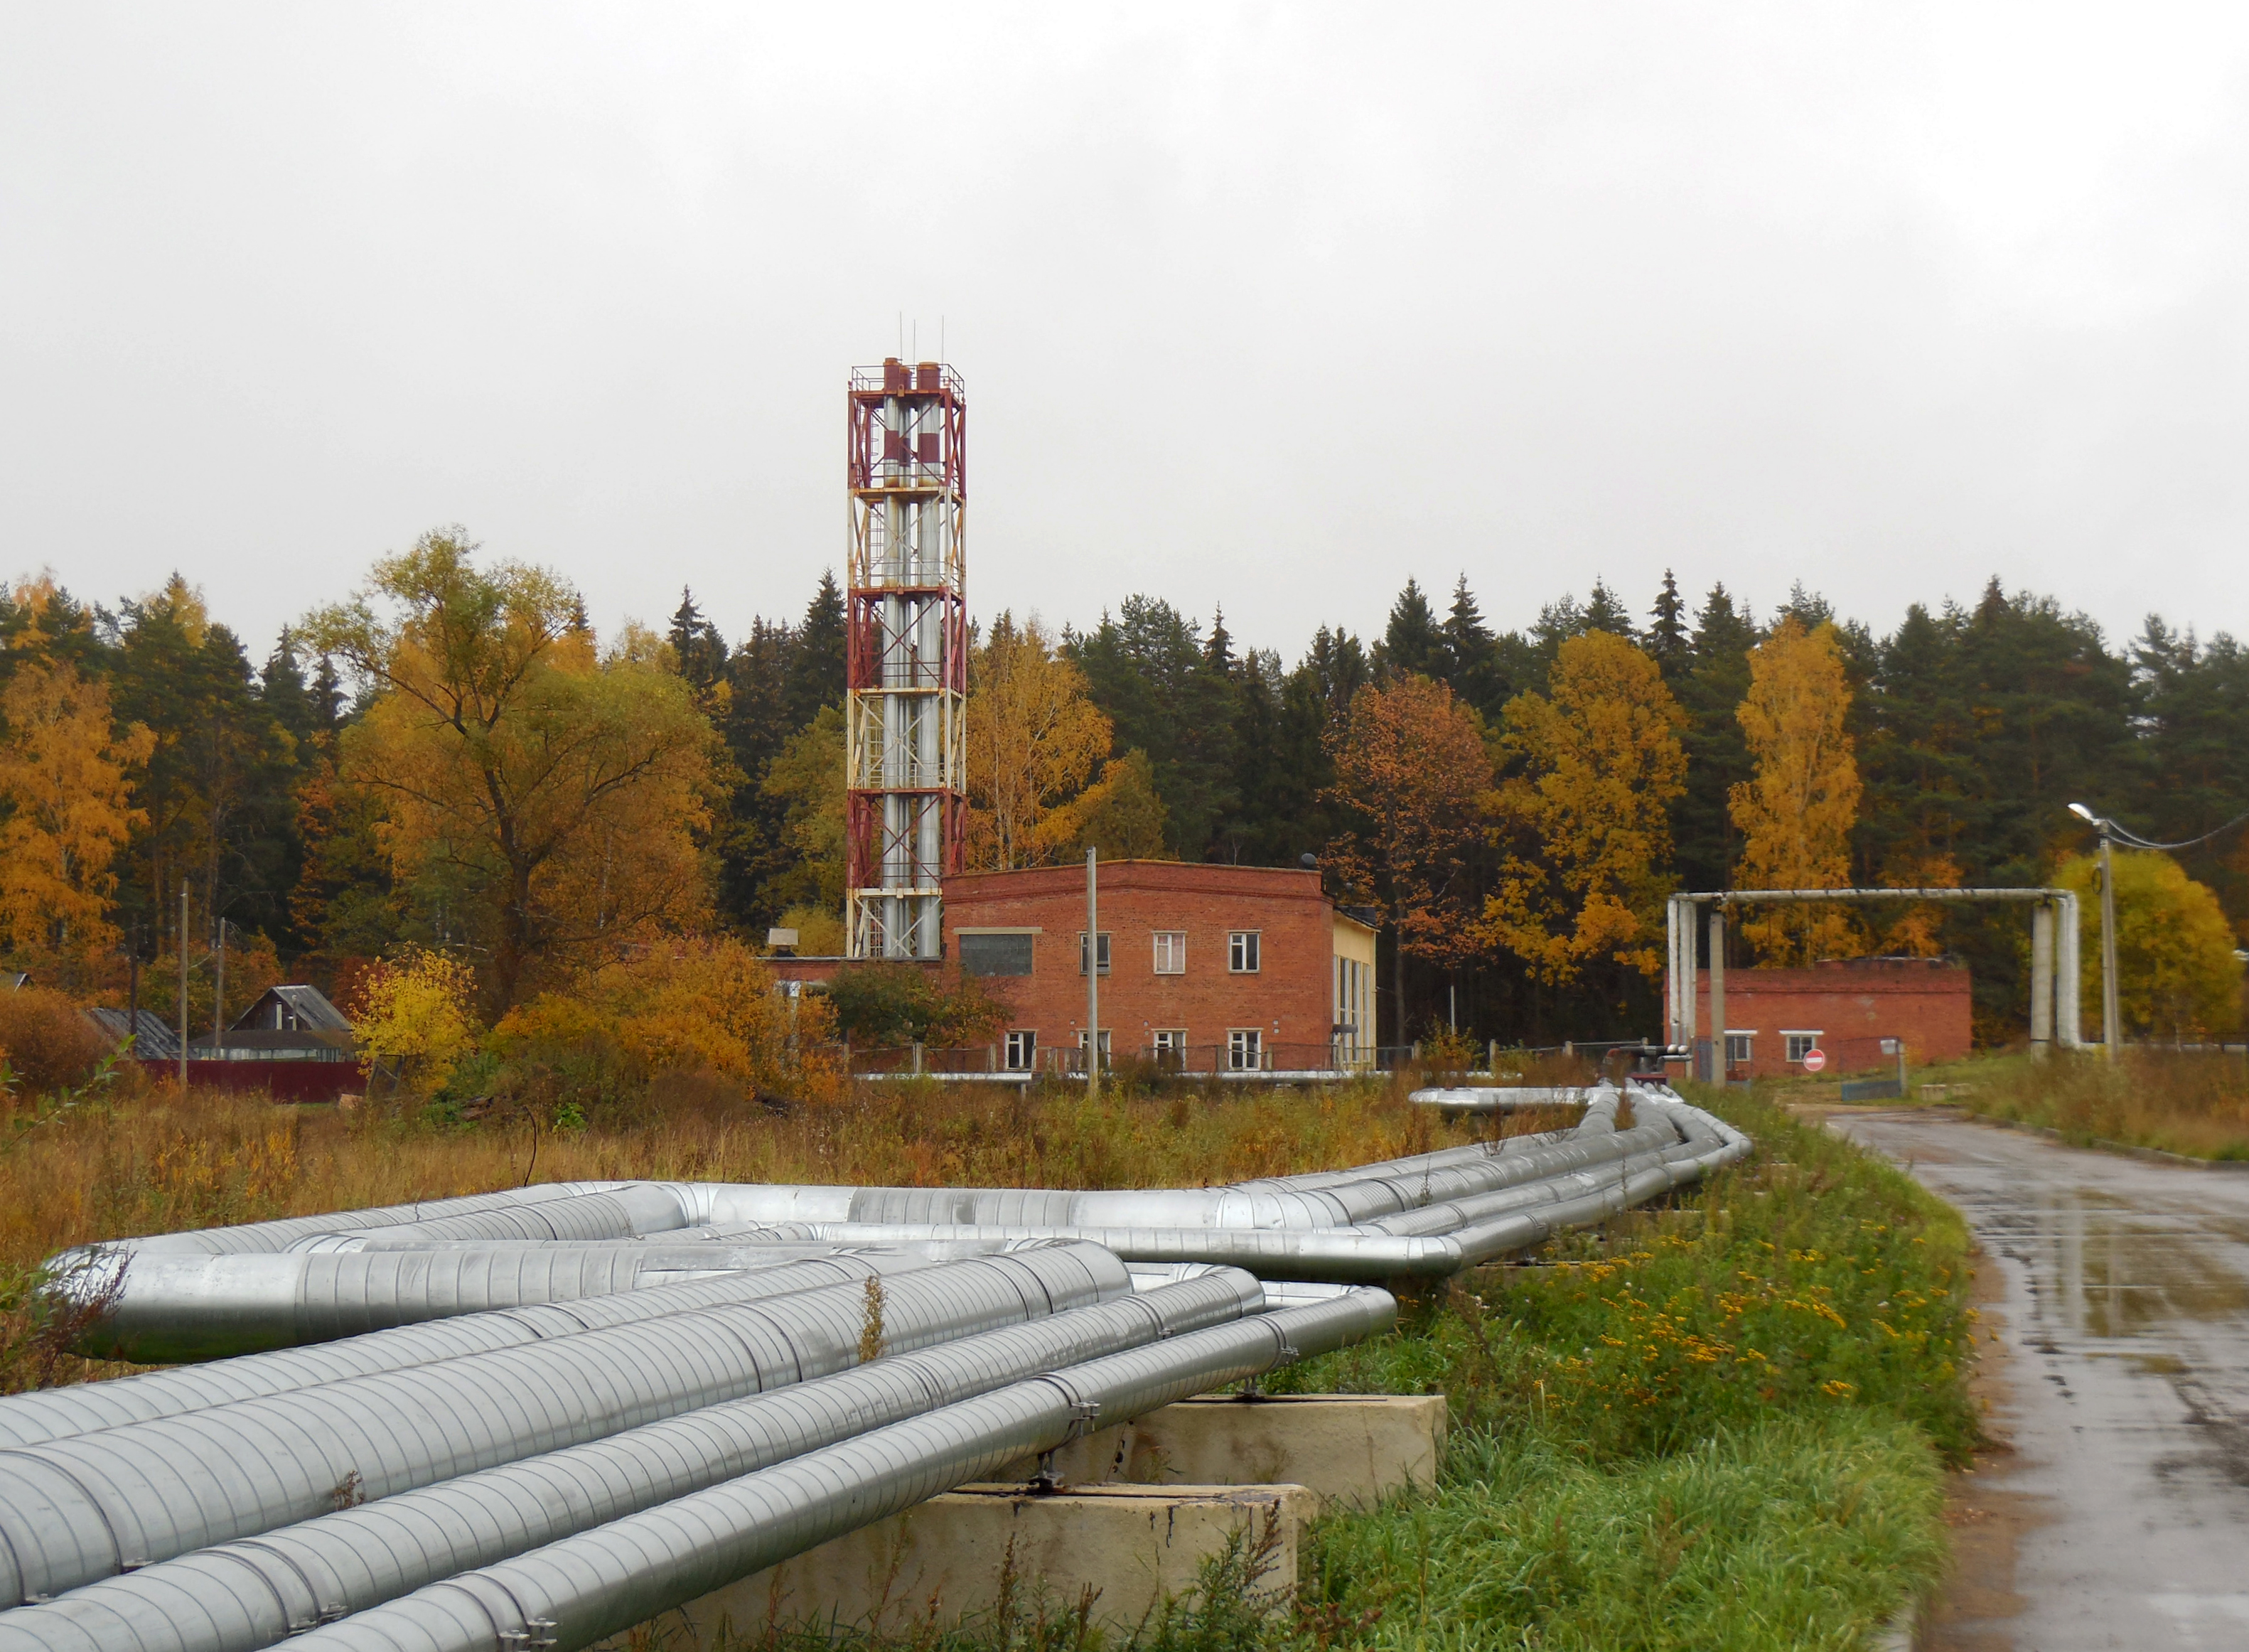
x=2108 y=1269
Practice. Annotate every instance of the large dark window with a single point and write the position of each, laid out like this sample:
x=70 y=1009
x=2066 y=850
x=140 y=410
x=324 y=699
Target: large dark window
x=995 y=955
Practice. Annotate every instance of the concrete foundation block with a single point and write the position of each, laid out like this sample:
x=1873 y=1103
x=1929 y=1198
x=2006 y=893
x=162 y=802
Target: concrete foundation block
x=1353 y=1449
x=950 y=1557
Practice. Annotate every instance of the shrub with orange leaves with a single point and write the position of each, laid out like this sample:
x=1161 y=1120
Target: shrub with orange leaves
x=691 y=1005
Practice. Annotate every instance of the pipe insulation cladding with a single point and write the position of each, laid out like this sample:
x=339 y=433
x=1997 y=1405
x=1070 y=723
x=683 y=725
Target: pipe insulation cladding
x=244 y=1595
x=536 y=1417
x=52 y=1414
x=92 y=1505
x=571 y=1593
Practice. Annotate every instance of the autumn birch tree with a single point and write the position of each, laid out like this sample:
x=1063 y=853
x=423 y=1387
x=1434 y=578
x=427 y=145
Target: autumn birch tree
x=1035 y=744
x=550 y=802
x=1795 y=813
x=65 y=810
x=1584 y=825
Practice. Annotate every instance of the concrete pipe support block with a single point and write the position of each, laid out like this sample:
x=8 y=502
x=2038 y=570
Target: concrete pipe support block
x=1354 y=1449
x=945 y=1559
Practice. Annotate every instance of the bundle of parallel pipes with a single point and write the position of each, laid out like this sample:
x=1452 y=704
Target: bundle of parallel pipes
x=538 y=1417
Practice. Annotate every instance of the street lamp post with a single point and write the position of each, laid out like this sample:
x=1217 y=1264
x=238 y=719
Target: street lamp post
x=2111 y=1016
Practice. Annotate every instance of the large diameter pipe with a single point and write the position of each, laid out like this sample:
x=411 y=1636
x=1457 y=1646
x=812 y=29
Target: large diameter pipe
x=279 y=1235
x=244 y=1596
x=73 y=1510
x=571 y=1593
x=54 y=1414
x=254 y=1302
x=1319 y=1253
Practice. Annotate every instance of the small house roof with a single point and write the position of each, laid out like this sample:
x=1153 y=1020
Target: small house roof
x=153 y=1039
x=308 y=1009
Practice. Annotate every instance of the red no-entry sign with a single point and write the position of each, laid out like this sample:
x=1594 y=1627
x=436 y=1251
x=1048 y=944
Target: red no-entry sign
x=1814 y=1059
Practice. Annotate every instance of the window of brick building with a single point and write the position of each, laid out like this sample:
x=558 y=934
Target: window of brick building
x=991 y=954
x=1169 y=1046
x=1022 y=1051
x=1241 y=952
x=1104 y=1043
x=1244 y=1048
x=1737 y=1048
x=1797 y=1045
x=1081 y=952
x=1170 y=952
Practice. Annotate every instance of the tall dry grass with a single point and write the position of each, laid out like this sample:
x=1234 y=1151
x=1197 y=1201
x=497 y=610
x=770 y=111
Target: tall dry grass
x=2182 y=1101
x=158 y=1161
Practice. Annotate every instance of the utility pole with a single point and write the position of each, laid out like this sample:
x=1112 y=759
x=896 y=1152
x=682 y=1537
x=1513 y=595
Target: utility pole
x=1092 y=975
x=184 y=987
x=218 y=998
x=2112 y=1017
x=1719 y=1073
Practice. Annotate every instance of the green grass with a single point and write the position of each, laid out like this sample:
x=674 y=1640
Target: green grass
x=1722 y=1423
x=2193 y=1103
x=1799 y=1532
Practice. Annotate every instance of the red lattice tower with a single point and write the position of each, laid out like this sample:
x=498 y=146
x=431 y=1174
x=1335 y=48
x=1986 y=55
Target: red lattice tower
x=907 y=654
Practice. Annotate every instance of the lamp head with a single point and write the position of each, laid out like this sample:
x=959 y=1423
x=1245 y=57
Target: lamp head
x=2085 y=814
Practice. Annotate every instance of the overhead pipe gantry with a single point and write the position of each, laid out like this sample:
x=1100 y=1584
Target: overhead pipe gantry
x=2054 y=1007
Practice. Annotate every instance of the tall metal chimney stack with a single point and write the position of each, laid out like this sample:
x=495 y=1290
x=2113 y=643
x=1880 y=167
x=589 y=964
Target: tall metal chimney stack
x=907 y=654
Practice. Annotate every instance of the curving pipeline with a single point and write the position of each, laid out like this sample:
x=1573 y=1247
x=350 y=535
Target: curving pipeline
x=571 y=1407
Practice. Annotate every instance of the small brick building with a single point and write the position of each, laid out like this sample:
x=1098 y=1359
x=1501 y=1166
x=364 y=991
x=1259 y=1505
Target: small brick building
x=1203 y=968
x=1845 y=1007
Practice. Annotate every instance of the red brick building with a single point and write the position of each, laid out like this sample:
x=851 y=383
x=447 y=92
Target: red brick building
x=1845 y=1007
x=1226 y=968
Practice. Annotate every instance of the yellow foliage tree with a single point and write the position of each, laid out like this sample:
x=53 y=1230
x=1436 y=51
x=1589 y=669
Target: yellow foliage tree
x=1918 y=932
x=684 y=1006
x=415 y=1020
x=1585 y=827
x=1034 y=741
x=65 y=812
x=2177 y=976
x=552 y=801
x=1796 y=814
x=1120 y=814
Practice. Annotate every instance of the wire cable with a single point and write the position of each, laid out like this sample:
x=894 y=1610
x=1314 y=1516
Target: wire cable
x=2126 y=836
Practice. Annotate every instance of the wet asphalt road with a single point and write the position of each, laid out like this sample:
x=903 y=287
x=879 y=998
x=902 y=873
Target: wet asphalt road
x=2123 y=1391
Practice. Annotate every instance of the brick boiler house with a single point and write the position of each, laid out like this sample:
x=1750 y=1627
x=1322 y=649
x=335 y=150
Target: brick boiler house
x=1845 y=1007
x=1203 y=968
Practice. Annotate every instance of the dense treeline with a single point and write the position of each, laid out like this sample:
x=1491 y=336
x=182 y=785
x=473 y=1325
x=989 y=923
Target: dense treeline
x=453 y=760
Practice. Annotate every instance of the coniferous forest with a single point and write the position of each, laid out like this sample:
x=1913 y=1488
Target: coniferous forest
x=1514 y=805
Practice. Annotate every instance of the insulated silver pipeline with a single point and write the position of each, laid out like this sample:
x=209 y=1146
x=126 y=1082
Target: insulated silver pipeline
x=246 y=1595
x=53 y=1414
x=277 y=1236
x=1471 y=1152
x=1335 y=1253
x=1499 y=1098
x=247 y=1304
x=75 y=1510
x=570 y=1593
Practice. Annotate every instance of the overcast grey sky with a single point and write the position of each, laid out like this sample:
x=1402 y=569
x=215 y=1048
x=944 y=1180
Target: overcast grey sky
x=1260 y=306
